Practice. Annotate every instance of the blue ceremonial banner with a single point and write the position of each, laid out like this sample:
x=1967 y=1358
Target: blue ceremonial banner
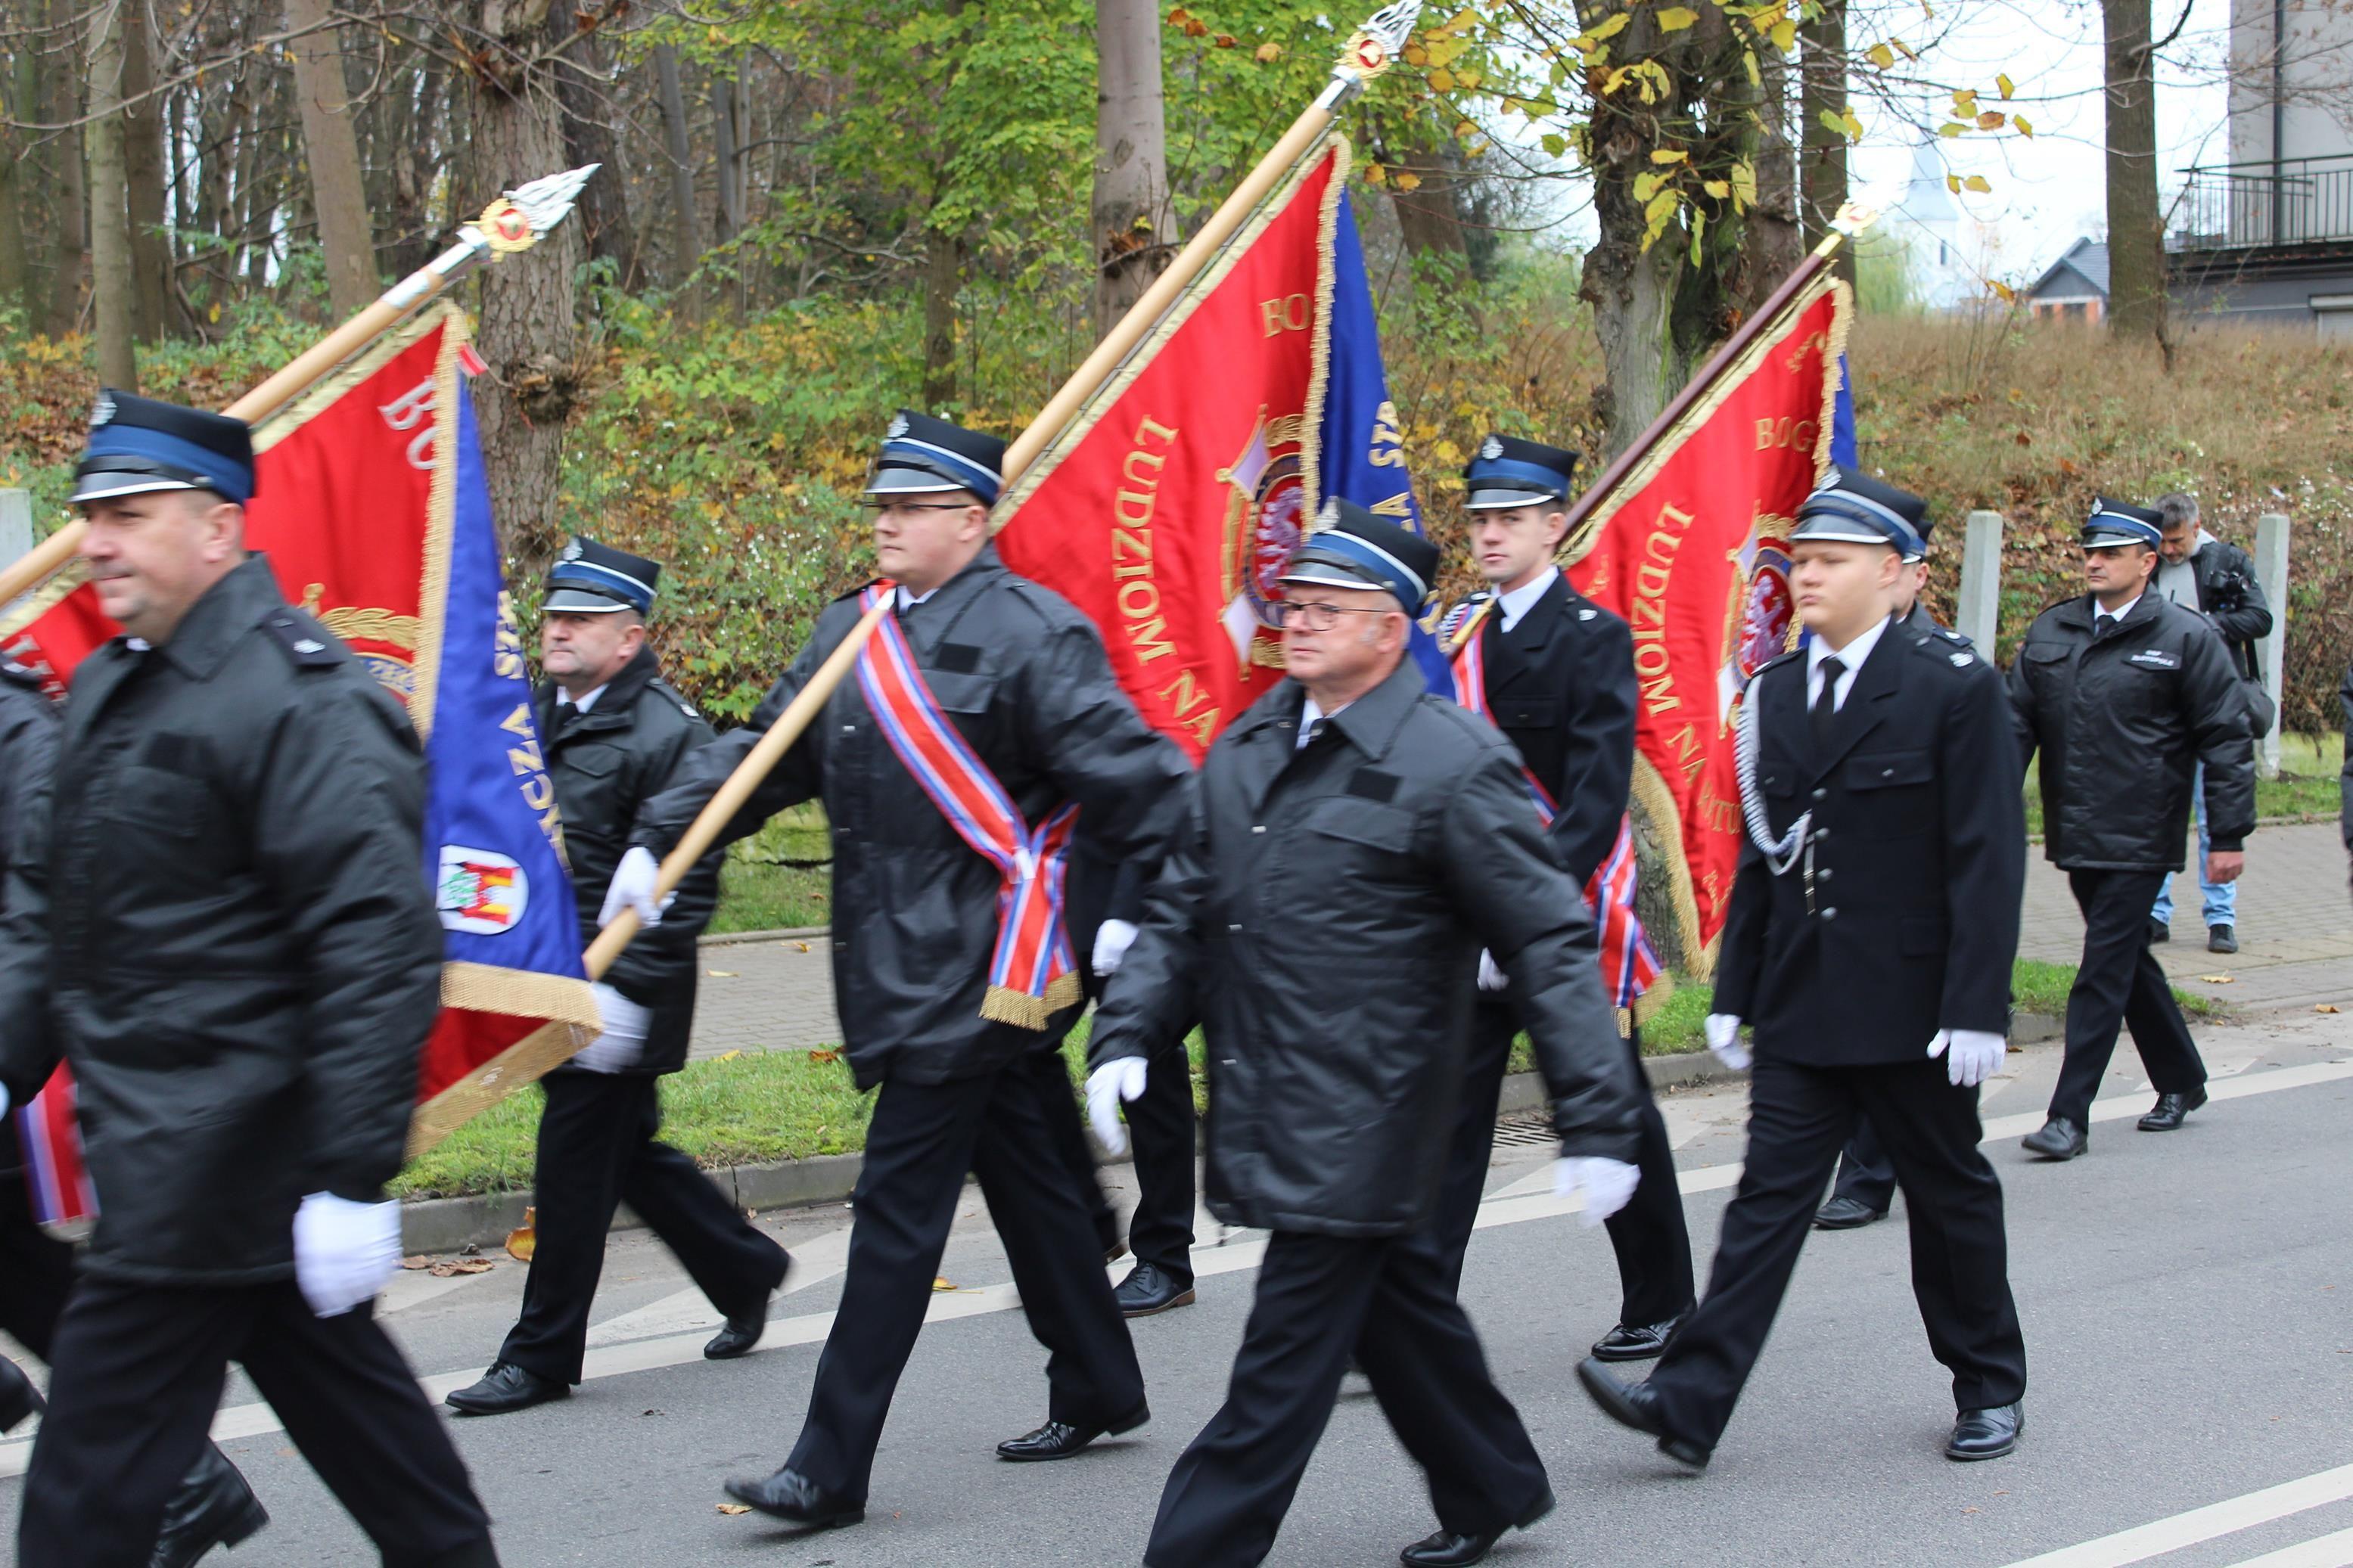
x=1843 y=419
x=1360 y=442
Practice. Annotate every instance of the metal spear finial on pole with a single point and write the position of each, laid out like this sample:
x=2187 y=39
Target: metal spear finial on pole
x=515 y=222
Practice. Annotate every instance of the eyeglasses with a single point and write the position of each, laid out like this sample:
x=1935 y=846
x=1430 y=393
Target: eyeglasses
x=1315 y=615
x=885 y=508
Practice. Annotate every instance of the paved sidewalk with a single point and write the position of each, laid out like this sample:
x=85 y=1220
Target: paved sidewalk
x=2295 y=948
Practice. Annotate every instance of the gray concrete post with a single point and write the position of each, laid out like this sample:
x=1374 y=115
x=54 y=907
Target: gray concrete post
x=1977 y=614
x=15 y=524
x=2271 y=570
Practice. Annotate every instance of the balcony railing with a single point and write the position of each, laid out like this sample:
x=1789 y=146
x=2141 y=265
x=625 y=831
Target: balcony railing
x=2295 y=200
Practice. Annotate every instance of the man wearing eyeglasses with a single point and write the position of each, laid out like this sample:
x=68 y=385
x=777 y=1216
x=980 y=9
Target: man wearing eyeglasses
x=1359 y=841
x=981 y=715
x=2126 y=694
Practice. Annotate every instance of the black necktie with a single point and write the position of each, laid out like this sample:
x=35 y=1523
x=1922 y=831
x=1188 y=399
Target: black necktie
x=2102 y=625
x=1826 y=704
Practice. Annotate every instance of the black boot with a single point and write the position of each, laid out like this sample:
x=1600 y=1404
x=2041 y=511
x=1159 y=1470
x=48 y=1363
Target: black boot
x=214 y=1507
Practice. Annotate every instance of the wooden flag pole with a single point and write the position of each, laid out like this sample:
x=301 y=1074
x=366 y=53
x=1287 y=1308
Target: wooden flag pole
x=514 y=221
x=1851 y=220
x=1368 y=53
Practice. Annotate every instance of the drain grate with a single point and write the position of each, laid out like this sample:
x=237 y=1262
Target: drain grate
x=1525 y=1128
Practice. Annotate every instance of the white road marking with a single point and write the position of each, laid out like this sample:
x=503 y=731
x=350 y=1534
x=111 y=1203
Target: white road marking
x=686 y=1311
x=1243 y=1249
x=2328 y=1551
x=414 y=1287
x=2198 y=1524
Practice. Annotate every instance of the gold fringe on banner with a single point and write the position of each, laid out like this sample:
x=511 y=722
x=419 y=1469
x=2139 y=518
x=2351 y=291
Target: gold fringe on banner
x=1004 y=1005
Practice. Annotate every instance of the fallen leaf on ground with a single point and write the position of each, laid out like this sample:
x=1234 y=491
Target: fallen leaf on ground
x=940 y=1282
x=734 y=1508
x=825 y=1056
x=420 y=1261
x=2328 y=1007
x=727 y=1056
x=800 y=946
x=720 y=974
x=462 y=1265
x=2218 y=979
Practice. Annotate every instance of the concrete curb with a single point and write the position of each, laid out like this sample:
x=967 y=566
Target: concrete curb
x=451 y=1224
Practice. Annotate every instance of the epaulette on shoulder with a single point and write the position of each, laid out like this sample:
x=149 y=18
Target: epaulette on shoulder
x=1945 y=645
x=1775 y=662
x=307 y=644
x=676 y=696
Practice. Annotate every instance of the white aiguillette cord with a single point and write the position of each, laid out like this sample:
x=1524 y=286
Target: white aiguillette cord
x=1782 y=853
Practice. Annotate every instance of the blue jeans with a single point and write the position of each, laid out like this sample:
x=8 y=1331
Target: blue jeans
x=2220 y=899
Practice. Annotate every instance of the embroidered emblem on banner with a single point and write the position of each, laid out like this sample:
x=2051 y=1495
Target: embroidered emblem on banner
x=1266 y=520
x=480 y=890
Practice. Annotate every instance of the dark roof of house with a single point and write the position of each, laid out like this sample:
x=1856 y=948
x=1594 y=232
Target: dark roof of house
x=2086 y=264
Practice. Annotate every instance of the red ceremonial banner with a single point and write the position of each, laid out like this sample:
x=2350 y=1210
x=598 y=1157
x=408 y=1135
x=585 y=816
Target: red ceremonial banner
x=1690 y=550
x=1176 y=497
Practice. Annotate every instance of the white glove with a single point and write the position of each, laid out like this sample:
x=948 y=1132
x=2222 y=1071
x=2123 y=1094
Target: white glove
x=344 y=1251
x=1491 y=973
x=3 y=1100
x=1106 y=1086
x=1724 y=1039
x=623 y=1037
x=632 y=887
x=1112 y=939
x=1607 y=1185
x=1972 y=1056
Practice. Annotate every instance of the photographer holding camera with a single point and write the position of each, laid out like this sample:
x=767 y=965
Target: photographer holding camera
x=2199 y=572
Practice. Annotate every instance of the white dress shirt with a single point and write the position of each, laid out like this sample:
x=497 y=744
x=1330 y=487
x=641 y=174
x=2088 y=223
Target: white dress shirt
x=581 y=703
x=1310 y=713
x=2117 y=614
x=1511 y=606
x=907 y=600
x=1851 y=657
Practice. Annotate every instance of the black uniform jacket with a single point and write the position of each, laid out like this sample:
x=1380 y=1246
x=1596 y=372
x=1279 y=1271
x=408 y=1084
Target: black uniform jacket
x=29 y=750
x=1918 y=846
x=1327 y=909
x=1022 y=677
x=2122 y=726
x=1560 y=685
x=226 y=928
x=606 y=763
x=2344 y=782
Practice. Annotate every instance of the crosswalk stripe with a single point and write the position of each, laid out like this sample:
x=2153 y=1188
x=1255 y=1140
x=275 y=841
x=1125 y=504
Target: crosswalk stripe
x=2219 y=1519
x=2328 y=1551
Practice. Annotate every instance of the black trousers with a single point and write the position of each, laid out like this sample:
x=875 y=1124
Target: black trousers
x=1389 y=1300
x=598 y=1151
x=922 y=1139
x=1068 y=1130
x=1160 y=1129
x=2121 y=983
x=137 y=1377
x=1654 y=1258
x=1865 y=1174
x=36 y=1271
x=1798 y=1118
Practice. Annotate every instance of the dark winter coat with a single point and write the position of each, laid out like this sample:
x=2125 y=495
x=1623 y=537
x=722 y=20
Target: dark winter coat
x=1023 y=678
x=2122 y=724
x=1327 y=909
x=1916 y=855
x=606 y=763
x=225 y=927
x=29 y=750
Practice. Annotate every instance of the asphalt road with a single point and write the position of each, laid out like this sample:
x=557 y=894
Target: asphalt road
x=2187 y=1302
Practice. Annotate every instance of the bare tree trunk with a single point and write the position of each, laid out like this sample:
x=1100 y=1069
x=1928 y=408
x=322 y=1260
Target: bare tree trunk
x=142 y=172
x=686 y=236
x=1134 y=225
x=529 y=299
x=109 y=213
x=16 y=261
x=590 y=112
x=338 y=188
x=1769 y=247
x=1430 y=218
x=1631 y=290
x=65 y=152
x=942 y=274
x=1822 y=164
x=2135 y=234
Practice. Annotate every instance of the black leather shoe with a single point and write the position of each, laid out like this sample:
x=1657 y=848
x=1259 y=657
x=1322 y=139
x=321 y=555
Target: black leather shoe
x=1847 y=1213
x=1986 y=1434
x=794 y=1498
x=18 y=1398
x=2060 y=1139
x=1635 y=1342
x=214 y=1507
x=2159 y=932
x=2222 y=939
x=739 y=1337
x=1149 y=1289
x=1060 y=1439
x=1458 y=1549
x=505 y=1387
x=2170 y=1110
x=1637 y=1405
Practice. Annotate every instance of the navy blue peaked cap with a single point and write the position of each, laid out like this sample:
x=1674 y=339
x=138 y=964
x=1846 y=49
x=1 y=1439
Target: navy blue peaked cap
x=593 y=579
x=1351 y=548
x=1860 y=510
x=1508 y=472
x=2115 y=523
x=139 y=445
x=921 y=455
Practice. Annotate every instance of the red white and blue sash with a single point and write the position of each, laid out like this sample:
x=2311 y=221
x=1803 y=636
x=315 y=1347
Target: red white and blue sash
x=55 y=1181
x=1629 y=967
x=1033 y=973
